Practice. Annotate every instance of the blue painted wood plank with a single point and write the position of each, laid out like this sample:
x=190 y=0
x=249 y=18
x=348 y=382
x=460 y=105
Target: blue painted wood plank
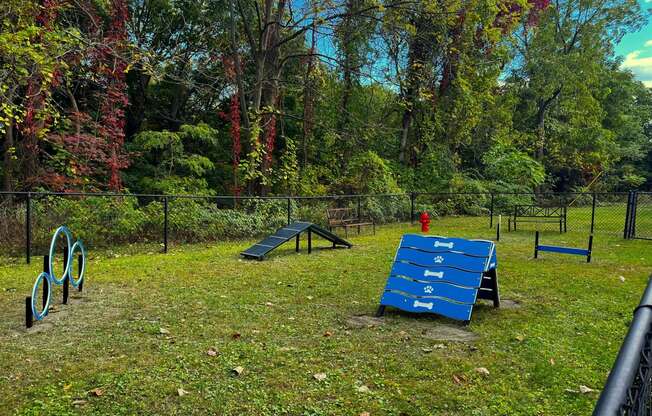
x=458 y=260
x=437 y=274
x=432 y=290
x=457 y=311
x=493 y=262
x=435 y=244
x=564 y=250
x=256 y=250
x=285 y=233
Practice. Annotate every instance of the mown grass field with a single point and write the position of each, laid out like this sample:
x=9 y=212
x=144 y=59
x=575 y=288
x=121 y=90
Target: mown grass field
x=145 y=323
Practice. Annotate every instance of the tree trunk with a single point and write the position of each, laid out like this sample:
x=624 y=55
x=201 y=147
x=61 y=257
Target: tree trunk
x=138 y=81
x=8 y=158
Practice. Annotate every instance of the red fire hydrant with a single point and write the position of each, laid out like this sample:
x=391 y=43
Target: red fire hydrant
x=424 y=219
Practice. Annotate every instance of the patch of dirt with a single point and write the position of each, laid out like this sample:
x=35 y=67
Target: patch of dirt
x=364 y=321
x=510 y=304
x=449 y=333
x=39 y=326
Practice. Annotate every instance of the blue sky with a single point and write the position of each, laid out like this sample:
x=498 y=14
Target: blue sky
x=636 y=49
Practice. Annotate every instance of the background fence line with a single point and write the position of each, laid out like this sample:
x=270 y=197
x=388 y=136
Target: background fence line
x=116 y=218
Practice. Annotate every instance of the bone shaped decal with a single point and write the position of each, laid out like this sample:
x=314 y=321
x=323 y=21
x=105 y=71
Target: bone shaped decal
x=428 y=273
x=447 y=245
x=427 y=305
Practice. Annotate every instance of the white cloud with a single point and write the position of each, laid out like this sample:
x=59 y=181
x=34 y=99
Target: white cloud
x=649 y=42
x=640 y=66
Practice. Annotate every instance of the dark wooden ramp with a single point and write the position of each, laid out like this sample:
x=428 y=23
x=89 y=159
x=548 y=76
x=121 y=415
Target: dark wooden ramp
x=259 y=250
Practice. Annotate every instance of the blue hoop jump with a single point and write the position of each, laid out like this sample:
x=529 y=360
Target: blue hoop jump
x=78 y=246
x=39 y=280
x=53 y=247
x=48 y=278
x=563 y=250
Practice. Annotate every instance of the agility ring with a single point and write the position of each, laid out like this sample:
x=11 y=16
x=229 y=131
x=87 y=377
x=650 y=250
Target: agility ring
x=78 y=246
x=44 y=279
x=53 y=246
x=48 y=278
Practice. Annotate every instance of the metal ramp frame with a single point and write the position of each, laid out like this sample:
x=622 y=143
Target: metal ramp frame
x=259 y=250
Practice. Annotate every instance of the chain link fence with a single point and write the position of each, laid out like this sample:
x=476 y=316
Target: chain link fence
x=628 y=390
x=149 y=223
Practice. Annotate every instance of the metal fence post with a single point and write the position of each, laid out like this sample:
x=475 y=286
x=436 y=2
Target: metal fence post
x=593 y=214
x=359 y=210
x=632 y=228
x=627 y=215
x=412 y=197
x=491 y=212
x=289 y=210
x=28 y=228
x=165 y=224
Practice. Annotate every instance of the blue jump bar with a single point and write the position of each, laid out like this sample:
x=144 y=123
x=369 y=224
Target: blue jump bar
x=564 y=250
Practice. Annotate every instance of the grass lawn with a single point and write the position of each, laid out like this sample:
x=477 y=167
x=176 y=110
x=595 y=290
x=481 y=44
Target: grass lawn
x=144 y=325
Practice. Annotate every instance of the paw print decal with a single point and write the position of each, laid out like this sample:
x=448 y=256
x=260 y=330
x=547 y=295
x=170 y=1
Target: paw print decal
x=439 y=259
x=428 y=289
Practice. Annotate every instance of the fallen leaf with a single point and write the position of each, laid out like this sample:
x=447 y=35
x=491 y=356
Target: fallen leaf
x=552 y=361
x=79 y=402
x=328 y=334
x=482 y=370
x=97 y=392
x=212 y=352
x=459 y=379
x=365 y=414
x=67 y=387
x=319 y=376
x=520 y=338
x=181 y=392
x=237 y=371
x=236 y=335
x=363 y=389
x=586 y=390
x=269 y=304
x=622 y=279
x=163 y=331
x=426 y=350
x=309 y=297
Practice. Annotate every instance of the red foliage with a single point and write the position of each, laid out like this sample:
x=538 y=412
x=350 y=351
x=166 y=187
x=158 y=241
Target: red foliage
x=234 y=118
x=513 y=11
x=270 y=138
x=115 y=100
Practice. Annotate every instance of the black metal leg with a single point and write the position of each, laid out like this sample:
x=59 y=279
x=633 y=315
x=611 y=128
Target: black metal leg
x=381 y=311
x=46 y=291
x=297 y=243
x=309 y=241
x=66 y=279
x=66 y=288
x=80 y=266
x=28 y=312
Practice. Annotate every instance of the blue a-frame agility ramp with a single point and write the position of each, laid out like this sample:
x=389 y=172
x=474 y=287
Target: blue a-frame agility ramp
x=563 y=250
x=441 y=275
x=259 y=250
